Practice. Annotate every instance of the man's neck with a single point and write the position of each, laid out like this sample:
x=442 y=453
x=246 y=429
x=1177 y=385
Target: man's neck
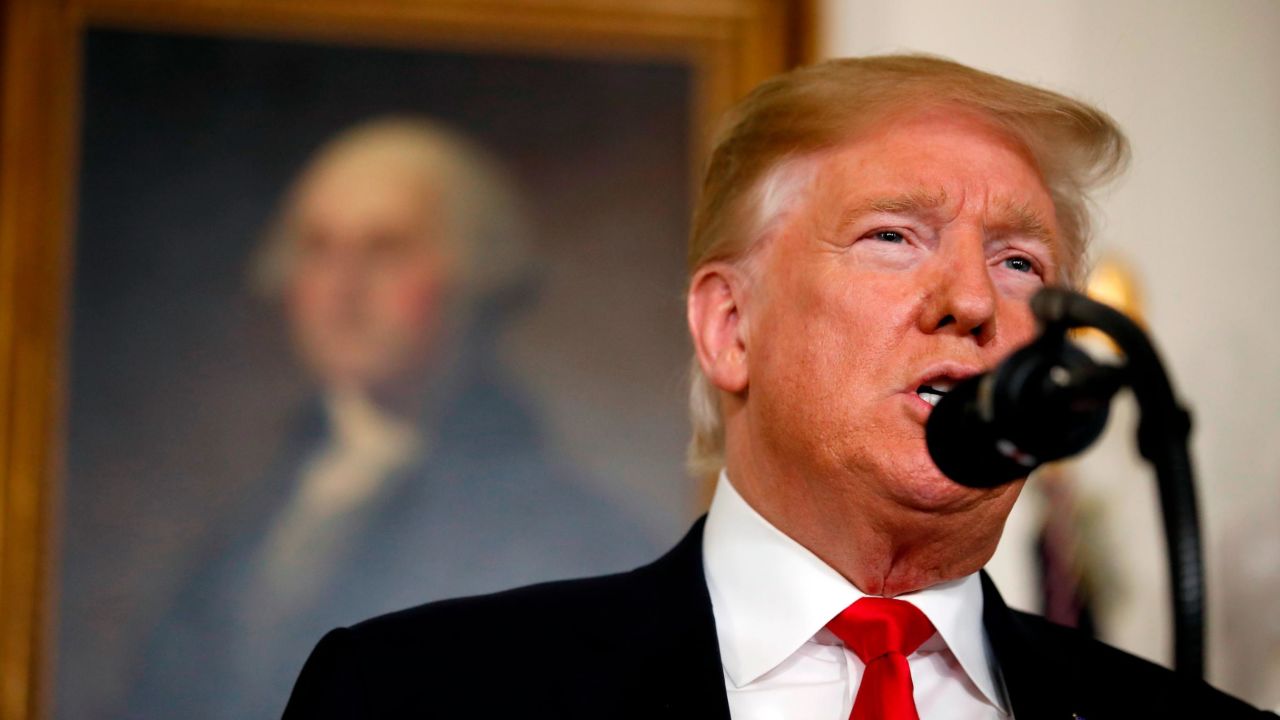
x=885 y=553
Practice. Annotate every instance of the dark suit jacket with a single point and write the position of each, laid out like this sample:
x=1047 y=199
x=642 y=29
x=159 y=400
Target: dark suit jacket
x=643 y=644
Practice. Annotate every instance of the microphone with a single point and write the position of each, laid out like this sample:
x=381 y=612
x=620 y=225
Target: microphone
x=1046 y=401
x=1049 y=400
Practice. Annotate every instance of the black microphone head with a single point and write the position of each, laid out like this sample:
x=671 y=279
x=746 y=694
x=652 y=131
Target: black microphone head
x=998 y=427
x=963 y=445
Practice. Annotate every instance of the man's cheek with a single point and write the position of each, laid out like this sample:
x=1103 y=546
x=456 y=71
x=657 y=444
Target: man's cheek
x=413 y=305
x=304 y=305
x=1016 y=324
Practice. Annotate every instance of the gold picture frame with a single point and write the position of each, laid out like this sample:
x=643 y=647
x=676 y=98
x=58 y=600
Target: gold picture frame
x=730 y=45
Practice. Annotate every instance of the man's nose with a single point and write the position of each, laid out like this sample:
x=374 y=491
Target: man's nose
x=961 y=297
x=345 y=277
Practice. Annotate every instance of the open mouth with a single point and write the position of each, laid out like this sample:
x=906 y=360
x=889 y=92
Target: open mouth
x=934 y=390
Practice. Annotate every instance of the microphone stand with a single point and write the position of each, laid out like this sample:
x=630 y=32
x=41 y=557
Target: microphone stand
x=1163 y=430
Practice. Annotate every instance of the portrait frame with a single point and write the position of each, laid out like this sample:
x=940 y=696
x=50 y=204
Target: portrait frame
x=729 y=45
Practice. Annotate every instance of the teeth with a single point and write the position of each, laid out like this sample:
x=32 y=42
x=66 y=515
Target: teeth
x=929 y=396
x=942 y=385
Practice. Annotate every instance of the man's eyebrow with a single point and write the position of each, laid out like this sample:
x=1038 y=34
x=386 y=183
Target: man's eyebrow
x=907 y=203
x=1012 y=217
x=917 y=202
x=1017 y=218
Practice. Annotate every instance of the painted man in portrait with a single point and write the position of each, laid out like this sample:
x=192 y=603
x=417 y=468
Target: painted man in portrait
x=417 y=469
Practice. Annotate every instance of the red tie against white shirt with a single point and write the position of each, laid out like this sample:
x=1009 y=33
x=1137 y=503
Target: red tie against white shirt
x=772 y=600
x=882 y=633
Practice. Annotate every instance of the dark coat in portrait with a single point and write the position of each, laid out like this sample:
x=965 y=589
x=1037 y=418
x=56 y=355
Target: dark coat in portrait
x=488 y=506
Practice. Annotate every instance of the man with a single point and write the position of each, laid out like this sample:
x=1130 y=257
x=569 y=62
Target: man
x=868 y=234
x=419 y=470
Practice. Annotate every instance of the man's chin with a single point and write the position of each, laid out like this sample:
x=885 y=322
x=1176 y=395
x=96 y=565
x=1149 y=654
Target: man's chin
x=928 y=490
x=365 y=378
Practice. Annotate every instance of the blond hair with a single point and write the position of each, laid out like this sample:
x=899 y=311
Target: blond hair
x=749 y=180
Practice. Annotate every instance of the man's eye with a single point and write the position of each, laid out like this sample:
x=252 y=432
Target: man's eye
x=888 y=236
x=1020 y=264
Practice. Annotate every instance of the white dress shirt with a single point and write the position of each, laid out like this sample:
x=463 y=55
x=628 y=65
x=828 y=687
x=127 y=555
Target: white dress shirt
x=772 y=599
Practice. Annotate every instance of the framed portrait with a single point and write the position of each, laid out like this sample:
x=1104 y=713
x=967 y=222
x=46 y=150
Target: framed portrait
x=317 y=310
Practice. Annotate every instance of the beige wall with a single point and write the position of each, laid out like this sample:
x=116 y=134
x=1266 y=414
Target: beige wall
x=1197 y=87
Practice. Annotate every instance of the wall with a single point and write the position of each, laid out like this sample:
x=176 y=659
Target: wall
x=1195 y=84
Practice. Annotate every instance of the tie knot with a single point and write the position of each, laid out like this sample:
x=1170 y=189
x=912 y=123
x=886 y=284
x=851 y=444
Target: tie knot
x=873 y=627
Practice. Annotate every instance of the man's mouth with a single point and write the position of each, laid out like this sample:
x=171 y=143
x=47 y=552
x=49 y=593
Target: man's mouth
x=934 y=390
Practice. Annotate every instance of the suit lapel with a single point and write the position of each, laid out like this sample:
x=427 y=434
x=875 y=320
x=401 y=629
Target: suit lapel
x=682 y=670
x=1032 y=676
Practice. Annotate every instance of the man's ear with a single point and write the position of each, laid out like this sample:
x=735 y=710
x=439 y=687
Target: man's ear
x=716 y=324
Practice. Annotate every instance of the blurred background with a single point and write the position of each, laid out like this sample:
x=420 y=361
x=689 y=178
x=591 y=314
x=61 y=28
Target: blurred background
x=330 y=293
x=354 y=329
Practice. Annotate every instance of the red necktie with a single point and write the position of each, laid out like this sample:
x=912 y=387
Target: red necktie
x=882 y=633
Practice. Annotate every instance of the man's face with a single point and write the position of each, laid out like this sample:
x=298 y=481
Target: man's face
x=909 y=263
x=369 y=274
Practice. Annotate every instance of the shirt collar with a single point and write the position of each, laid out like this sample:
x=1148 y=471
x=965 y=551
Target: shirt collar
x=955 y=609
x=770 y=595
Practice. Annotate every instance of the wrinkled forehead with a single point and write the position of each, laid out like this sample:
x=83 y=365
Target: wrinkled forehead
x=934 y=165
x=922 y=147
